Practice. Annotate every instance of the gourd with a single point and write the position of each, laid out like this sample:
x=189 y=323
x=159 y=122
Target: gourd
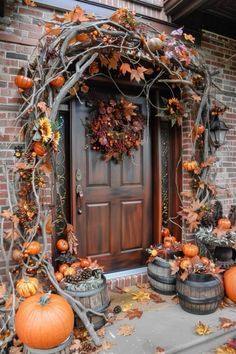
x=190 y=165
x=27 y=287
x=224 y=223
x=39 y=149
x=190 y=250
x=69 y=271
x=185 y=264
x=23 y=82
x=62 y=245
x=59 y=276
x=63 y=267
x=32 y=248
x=205 y=260
x=154 y=44
x=44 y=321
x=84 y=263
x=58 y=81
x=230 y=283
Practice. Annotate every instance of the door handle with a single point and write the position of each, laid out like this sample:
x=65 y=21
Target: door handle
x=79 y=191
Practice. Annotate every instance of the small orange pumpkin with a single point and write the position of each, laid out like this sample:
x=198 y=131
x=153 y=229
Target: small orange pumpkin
x=58 y=81
x=165 y=232
x=167 y=244
x=75 y=265
x=185 y=264
x=190 y=165
x=39 y=149
x=224 y=223
x=168 y=239
x=27 y=286
x=62 y=245
x=84 y=263
x=63 y=267
x=44 y=321
x=59 y=276
x=32 y=248
x=190 y=250
x=23 y=82
x=229 y=283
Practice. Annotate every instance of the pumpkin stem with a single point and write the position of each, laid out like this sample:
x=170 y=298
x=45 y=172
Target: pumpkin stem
x=44 y=299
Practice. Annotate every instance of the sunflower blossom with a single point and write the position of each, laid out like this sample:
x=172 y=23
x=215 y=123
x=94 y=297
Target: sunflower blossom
x=55 y=140
x=45 y=129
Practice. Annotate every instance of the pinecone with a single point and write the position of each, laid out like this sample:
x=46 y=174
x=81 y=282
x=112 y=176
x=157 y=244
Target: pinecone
x=86 y=274
x=217 y=211
x=207 y=220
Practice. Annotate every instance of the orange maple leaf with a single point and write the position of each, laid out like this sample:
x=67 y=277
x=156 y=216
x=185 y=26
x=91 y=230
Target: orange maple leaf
x=208 y=162
x=29 y=3
x=94 y=69
x=104 y=61
x=125 y=68
x=189 y=37
x=138 y=74
x=52 y=30
x=113 y=61
x=76 y=15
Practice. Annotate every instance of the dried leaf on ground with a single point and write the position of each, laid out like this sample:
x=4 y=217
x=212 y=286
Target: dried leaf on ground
x=125 y=330
x=156 y=298
x=175 y=299
x=118 y=290
x=76 y=345
x=133 y=313
x=226 y=323
x=106 y=345
x=101 y=332
x=144 y=286
x=126 y=307
x=224 y=349
x=159 y=350
x=81 y=334
x=202 y=329
x=141 y=296
x=232 y=342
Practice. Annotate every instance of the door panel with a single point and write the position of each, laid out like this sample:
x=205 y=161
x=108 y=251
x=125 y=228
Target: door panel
x=116 y=221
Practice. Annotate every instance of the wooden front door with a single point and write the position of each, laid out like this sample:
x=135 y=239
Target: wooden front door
x=115 y=224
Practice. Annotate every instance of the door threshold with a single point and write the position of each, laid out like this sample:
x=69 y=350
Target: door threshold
x=125 y=273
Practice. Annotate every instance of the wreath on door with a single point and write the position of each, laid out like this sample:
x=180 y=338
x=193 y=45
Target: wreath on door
x=116 y=130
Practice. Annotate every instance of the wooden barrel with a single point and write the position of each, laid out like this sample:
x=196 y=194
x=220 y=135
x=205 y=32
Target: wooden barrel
x=160 y=277
x=97 y=300
x=63 y=348
x=200 y=294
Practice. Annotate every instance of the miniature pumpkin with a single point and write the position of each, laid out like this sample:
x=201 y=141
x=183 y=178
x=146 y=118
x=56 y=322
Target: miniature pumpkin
x=63 y=267
x=32 y=248
x=224 y=223
x=185 y=264
x=205 y=260
x=39 y=149
x=58 y=81
x=168 y=239
x=59 y=276
x=75 y=265
x=167 y=244
x=154 y=44
x=84 y=263
x=62 y=245
x=190 y=250
x=200 y=129
x=190 y=165
x=69 y=271
x=27 y=286
x=229 y=283
x=44 y=321
x=23 y=82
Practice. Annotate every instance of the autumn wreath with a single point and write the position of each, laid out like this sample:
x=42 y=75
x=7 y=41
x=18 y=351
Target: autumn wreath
x=116 y=129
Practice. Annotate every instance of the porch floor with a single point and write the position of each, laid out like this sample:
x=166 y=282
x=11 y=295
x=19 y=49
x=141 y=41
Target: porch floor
x=165 y=325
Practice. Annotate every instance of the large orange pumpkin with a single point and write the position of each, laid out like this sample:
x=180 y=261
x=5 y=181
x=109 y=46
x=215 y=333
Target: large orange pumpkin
x=190 y=250
x=23 y=82
x=44 y=321
x=230 y=283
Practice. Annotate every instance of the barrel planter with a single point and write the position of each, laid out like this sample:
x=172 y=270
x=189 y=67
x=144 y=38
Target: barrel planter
x=96 y=299
x=200 y=294
x=63 y=348
x=160 y=277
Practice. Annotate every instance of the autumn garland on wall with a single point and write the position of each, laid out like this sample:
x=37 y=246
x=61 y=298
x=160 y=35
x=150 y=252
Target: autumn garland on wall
x=116 y=130
x=76 y=47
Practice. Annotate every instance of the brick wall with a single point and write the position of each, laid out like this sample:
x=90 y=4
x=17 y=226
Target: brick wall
x=19 y=31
